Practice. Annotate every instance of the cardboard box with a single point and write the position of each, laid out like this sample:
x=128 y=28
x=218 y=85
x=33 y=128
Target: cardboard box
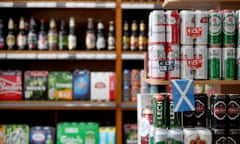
x=81 y=85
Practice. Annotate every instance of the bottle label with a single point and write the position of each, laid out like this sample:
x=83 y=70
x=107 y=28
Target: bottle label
x=100 y=43
x=21 y=40
x=42 y=42
x=111 y=43
x=63 y=41
x=10 y=40
x=90 y=41
x=32 y=40
x=1 y=42
x=126 y=43
x=72 y=42
x=52 y=40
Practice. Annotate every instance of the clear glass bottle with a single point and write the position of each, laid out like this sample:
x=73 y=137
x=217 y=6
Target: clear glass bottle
x=22 y=35
x=42 y=37
x=101 y=41
x=72 y=37
x=52 y=35
x=111 y=36
x=32 y=37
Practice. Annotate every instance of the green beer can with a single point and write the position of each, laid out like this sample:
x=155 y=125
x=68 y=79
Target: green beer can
x=175 y=136
x=229 y=28
x=229 y=63
x=159 y=110
x=238 y=62
x=174 y=117
x=214 y=63
x=215 y=28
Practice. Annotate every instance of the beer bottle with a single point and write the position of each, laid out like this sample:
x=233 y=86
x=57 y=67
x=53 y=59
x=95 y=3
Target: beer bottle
x=32 y=35
x=62 y=37
x=101 y=42
x=52 y=35
x=126 y=35
x=90 y=39
x=2 y=39
x=11 y=38
x=142 y=39
x=72 y=37
x=134 y=36
x=22 y=35
x=42 y=37
x=111 y=36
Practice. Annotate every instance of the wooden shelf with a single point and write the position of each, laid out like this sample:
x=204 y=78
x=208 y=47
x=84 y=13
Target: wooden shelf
x=213 y=82
x=56 y=105
x=198 y=4
x=57 y=54
x=129 y=105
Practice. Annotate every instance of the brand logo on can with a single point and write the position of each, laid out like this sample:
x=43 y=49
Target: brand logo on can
x=219 y=110
x=229 y=25
x=233 y=110
x=221 y=140
x=200 y=108
x=214 y=25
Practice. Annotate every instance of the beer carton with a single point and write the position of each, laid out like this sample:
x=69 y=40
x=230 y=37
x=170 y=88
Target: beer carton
x=130 y=133
x=91 y=133
x=107 y=135
x=70 y=133
x=16 y=134
x=103 y=86
x=35 y=85
x=60 y=85
x=43 y=135
x=2 y=140
x=10 y=85
x=81 y=85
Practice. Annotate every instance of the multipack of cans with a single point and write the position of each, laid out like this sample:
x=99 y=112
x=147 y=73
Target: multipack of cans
x=107 y=135
x=42 y=135
x=130 y=133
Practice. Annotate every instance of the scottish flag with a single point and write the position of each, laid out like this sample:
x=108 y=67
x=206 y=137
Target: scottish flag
x=183 y=95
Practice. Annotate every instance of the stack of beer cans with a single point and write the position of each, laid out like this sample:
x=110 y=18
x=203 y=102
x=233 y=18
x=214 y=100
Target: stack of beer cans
x=194 y=42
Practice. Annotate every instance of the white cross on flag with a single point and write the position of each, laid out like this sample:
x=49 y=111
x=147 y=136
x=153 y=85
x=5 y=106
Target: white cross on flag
x=183 y=95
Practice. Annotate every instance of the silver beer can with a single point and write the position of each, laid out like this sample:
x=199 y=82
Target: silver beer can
x=157 y=31
x=201 y=57
x=201 y=26
x=186 y=62
x=173 y=58
x=186 y=27
x=238 y=62
x=175 y=136
x=160 y=135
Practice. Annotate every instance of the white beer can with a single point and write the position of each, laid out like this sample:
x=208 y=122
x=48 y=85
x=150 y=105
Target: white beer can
x=201 y=26
x=172 y=27
x=156 y=52
x=186 y=27
x=201 y=57
x=173 y=59
x=186 y=62
x=157 y=32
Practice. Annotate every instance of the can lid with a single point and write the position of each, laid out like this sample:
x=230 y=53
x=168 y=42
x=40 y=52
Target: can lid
x=214 y=10
x=234 y=95
x=228 y=10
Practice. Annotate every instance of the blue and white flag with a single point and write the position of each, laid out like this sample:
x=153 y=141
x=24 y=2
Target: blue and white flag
x=183 y=95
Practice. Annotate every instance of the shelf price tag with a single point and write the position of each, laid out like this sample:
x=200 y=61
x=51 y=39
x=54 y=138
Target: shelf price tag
x=6 y=4
x=31 y=56
x=15 y=56
x=42 y=4
x=80 y=5
x=2 y=55
x=65 y=56
x=105 y=5
x=47 y=56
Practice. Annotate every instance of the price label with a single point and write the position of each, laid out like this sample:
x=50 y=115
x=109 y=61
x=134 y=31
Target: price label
x=6 y=4
x=167 y=65
x=31 y=56
x=15 y=56
x=2 y=55
x=47 y=56
x=42 y=4
x=80 y=5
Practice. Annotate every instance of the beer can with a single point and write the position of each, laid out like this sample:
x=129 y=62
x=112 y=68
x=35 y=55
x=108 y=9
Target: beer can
x=151 y=135
x=186 y=62
x=238 y=62
x=201 y=107
x=172 y=27
x=186 y=27
x=215 y=28
x=229 y=28
x=159 y=110
x=188 y=120
x=126 y=77
x=160 y=135
x=229 y=63
x=175 y=136
x=135 y=77
x=233 y=136
x=156 y=54
x=153 y=89
x=173 y=61
x=142 y=76
x=201 y=61
x=135 y=89
x=218 y=111
x=126 y=93
x=174 y=118
x=219 y=136
x=238 y=27
x=147 y=121
x=190 y=135
x=157 y=31
x=201 y=26
x=233 y=111
x=214 y=63
x=205 y=135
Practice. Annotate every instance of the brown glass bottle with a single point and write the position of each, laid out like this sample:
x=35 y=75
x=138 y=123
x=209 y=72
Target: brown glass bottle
x=72 y=37
x=32 y=35
x=126 y=36
x=52 y=35
x=2 y=39
x=42 y=37
x=134 y=36
x=111 y=36
x=142 y=38
x=90 y=39
x=11 y=38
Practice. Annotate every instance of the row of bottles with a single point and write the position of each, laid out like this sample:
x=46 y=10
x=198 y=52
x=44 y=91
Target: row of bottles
x=98 y=41
x=32 y=37
x=132 y=39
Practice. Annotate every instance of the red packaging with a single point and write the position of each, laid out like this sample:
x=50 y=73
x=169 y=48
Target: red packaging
x=172 y=27
x=10 y=85
x=112 y=95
